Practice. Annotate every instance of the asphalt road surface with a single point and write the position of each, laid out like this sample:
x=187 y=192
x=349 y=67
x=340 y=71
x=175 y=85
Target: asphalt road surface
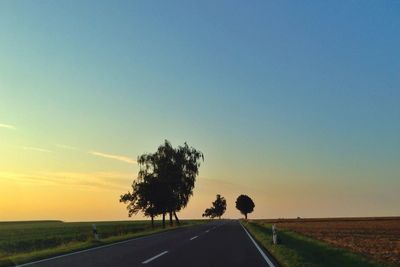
x=218 y=243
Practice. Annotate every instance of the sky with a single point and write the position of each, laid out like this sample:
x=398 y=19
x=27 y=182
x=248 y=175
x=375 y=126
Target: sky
x=295 y=104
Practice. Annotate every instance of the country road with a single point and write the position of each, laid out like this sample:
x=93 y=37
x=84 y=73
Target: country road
x=218 y=243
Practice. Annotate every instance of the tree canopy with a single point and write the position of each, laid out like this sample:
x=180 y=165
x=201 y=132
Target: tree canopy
x=245 y=205
x=218 y=208
x=165 y=181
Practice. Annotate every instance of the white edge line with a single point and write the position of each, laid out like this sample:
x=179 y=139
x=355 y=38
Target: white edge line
x=194 y=237
x=91 y=249
x=259 y=249
x=155 y=257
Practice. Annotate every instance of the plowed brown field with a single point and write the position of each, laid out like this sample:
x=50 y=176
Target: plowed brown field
x=377 y=237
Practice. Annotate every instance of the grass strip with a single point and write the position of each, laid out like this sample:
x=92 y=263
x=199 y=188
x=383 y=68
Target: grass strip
x=295 y=250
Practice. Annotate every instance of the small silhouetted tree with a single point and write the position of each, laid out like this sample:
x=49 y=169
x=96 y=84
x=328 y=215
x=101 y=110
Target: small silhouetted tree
x=245 y=205
x=218 y=208
x=209 y=213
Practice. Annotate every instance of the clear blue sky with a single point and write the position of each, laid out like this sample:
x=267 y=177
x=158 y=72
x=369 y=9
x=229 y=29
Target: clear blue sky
x=299 y=98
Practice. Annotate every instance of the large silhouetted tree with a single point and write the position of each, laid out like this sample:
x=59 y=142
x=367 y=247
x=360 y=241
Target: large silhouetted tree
x=165 y=181
x=188 y=162
x=245 y=205
x=218 y=208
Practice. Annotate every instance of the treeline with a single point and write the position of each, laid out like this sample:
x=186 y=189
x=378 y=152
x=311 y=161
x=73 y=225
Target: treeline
x=165 y=183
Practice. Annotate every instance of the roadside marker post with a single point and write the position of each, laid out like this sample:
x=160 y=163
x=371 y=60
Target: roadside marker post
x=274 y=235
x=95 y=234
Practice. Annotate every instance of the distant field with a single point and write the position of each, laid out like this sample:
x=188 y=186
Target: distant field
x=23 y=241
x=377 y=238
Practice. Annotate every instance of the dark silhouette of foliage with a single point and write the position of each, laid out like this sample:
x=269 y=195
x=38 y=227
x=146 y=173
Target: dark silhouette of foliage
x=147 y=194
x=245 y=205
x=165 y=182
x=218 y=208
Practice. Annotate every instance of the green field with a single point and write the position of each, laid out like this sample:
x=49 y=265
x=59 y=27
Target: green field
x=27 y=241
x=295 y=250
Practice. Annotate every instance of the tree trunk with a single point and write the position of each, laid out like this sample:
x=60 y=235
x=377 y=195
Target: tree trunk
x=245 y=215
x=171 y=222
x=152 y=221
x=176 y=218
x=163 y=220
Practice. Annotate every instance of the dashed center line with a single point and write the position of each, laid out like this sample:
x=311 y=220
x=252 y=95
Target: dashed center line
x=194 y=237
x=155 y=257
x=207 y=230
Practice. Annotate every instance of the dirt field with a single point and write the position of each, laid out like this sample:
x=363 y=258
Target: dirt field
x=374 y=237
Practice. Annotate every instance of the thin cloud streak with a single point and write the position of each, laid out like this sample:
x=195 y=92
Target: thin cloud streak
x=95 y=180
x=66 y=147
x=7 y=126
x=38 y=149
x=115 y=157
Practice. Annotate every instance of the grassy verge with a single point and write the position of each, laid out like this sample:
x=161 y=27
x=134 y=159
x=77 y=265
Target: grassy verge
x=296 y=250
x=72 y=246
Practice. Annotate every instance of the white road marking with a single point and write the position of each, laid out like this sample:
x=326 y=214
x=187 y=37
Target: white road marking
x=194 y=237
x=155 y=257
x=270 y=263
x=208 y=231
x=95 y=248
